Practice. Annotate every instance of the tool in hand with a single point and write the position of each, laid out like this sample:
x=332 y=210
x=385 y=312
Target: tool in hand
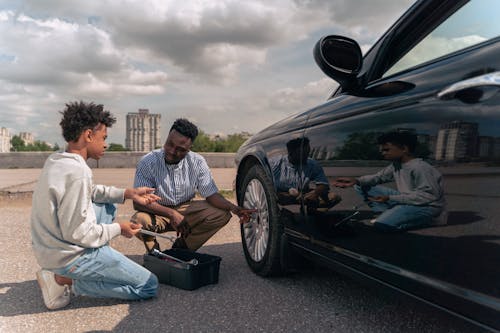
x=151 y=233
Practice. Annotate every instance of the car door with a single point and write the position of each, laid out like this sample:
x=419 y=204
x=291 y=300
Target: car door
x=442 y=85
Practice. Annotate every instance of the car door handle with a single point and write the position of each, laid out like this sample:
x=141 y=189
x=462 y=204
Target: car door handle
x=482 y=83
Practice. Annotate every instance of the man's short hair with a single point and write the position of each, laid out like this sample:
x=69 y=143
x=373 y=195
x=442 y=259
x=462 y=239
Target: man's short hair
x=399 y=138
x=186 y=128
x=295 y=144
x=80 y=116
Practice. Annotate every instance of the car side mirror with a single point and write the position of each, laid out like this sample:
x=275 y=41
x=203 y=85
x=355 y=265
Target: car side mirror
x=340 y=58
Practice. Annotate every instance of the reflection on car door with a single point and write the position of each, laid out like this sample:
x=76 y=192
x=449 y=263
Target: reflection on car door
x=458 y=133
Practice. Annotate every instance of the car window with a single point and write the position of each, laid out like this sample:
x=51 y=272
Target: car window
x=470 y=25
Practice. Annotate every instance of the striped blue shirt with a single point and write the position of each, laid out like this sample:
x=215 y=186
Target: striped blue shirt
x=175 y=183
x=286 y=175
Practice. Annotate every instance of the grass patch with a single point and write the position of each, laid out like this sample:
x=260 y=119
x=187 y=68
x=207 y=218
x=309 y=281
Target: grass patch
x=228 y=194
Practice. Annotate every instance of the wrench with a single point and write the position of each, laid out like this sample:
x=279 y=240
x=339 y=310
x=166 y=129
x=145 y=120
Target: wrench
x=151 y=233
x=159 y=254
x=193 y=262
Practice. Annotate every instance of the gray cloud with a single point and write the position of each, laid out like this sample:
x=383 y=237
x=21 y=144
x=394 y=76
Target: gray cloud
x=214 y=61
x=364 y=20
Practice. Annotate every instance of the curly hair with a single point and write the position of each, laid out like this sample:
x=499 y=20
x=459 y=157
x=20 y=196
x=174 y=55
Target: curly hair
x=80 y=116
x=399 y=138
x=186 y=128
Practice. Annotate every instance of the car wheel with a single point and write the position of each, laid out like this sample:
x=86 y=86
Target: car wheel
x=261 y=236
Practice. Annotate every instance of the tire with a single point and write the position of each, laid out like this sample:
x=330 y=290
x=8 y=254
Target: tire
x=261 y=237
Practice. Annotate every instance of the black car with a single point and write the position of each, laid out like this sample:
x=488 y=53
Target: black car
x=435 y=76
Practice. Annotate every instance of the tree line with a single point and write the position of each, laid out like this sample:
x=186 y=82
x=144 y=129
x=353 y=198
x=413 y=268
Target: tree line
x=18 y=144
x=203 y=143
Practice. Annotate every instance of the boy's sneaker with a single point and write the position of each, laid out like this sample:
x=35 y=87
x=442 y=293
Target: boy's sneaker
x=441 y=219
x=55 y=296
x=374 y=216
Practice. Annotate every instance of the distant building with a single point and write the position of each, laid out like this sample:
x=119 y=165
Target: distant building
x=457 y=140
x=496 y=148
x=143 y=131
x=27 y=137
x=4 y=140
x=246 y=135
x=489 y=147
x=486 y=146
x=217 y=136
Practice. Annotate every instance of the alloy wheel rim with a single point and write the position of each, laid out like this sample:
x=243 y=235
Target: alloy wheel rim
x=256 y=231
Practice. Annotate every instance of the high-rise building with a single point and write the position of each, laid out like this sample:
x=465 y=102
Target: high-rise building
x=457 y=140
x=27 y=137
x=4 y=140
x=143 y=131
x=486 y=146
x=496 y=148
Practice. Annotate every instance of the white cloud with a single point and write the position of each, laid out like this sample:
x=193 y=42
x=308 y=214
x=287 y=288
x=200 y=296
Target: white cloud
x=228 y=64
x=432 y=48
x=5 y=15
x=305 y=97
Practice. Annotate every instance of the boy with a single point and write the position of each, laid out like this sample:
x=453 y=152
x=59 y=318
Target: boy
x=419 y=198
x=72 y=219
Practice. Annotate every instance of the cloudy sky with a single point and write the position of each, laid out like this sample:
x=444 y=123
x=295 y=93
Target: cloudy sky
x=227 y=65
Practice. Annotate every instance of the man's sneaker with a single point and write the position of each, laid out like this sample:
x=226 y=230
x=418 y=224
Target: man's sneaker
x=180 y=243
x=151 y=245
x=55 y=296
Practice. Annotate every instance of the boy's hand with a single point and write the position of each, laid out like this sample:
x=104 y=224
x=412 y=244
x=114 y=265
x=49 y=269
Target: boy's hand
x=142 y=195
x=129 y=229
x=344 y=182
x=382 y=198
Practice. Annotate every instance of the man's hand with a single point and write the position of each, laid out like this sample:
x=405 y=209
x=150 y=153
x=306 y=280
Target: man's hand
x=219 y=201
x=129 y=229
x=142 y=195
x=344 y=182
x=311 y=196
x=243 y=213
x=382 y=198
x=179 y=223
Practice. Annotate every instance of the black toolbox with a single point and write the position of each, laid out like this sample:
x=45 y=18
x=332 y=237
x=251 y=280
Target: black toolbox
x=184 y=275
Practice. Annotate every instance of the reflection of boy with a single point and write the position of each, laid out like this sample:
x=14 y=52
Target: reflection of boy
x=296 y=174
x=419 y=198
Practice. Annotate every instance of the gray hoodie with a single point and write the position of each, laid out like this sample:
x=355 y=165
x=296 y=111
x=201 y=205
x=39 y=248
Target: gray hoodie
x=417 y=181
x=63 y=221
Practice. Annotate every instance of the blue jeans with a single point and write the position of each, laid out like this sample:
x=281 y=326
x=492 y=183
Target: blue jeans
x=105 y=272
x=395 y=216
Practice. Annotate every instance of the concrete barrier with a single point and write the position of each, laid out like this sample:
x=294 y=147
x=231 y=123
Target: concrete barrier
x=28 y=160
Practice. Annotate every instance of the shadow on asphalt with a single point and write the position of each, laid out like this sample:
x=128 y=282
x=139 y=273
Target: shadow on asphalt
x=238 y=294
x=240 y=301
x=315 y=299
x=463 y=217
x=25 y=298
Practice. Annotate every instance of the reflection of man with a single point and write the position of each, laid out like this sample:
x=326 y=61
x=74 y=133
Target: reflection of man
x=296 y=176
x=419 y=198
x=177 y=173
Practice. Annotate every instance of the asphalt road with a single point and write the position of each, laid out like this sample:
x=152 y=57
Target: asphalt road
x=314 y=300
